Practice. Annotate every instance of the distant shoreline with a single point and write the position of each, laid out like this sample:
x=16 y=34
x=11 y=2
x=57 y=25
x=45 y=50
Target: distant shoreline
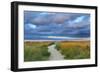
x=57 y=40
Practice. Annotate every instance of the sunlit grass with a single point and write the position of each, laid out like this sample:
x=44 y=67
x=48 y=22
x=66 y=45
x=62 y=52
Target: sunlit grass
x=38 y=51
x=74 y=49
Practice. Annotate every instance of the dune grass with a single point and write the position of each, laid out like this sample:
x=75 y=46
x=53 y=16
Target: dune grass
x=74 y=49
x=36 y=51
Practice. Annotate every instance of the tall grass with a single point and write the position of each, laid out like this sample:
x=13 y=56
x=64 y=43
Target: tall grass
x=36 y=51
x=74 y=49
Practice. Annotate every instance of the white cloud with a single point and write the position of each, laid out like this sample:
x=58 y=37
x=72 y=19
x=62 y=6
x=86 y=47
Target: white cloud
x=30 y=26
x=78 y=19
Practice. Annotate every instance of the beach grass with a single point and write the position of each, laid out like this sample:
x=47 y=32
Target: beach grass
x=36 y=51
x=74 y=49
x=71 y=50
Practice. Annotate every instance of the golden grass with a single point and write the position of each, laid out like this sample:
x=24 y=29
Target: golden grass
x=74 y=49
x=29 y=43
x=72 y=44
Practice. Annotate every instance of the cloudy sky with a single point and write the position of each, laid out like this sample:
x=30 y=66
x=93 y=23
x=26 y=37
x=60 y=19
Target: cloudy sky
x=51 y=25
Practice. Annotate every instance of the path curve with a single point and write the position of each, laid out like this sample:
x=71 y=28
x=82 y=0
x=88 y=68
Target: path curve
x=55 y=54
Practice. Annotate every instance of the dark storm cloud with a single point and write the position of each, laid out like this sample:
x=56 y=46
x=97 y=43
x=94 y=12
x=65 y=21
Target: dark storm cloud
x=62 y=24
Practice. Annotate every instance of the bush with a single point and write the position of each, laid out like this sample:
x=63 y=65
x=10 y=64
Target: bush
x=57 y=46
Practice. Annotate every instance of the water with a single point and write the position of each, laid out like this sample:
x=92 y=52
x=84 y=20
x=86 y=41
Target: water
x=41 y=37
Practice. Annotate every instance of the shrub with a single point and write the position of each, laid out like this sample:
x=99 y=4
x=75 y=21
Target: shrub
x=57 y=45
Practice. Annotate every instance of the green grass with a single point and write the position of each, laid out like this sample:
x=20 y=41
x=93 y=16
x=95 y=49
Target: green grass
x=35 y=52
x=75 y=53
x=74 y=50
x=38 y=51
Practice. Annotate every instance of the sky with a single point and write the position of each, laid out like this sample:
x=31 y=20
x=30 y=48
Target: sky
x=55 y=25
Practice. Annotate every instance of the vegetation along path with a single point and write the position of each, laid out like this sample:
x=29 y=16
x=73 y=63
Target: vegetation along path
x=55 y=54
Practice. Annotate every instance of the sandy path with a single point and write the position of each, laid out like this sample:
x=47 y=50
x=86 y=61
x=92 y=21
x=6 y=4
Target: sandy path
x=55 y=54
